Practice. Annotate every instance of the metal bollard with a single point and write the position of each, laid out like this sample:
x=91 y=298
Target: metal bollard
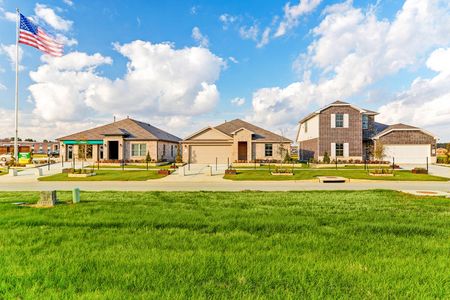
x=39 y=172
x=76 y=195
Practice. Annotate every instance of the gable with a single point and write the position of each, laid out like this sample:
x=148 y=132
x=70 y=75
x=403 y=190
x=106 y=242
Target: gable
x=210 y=134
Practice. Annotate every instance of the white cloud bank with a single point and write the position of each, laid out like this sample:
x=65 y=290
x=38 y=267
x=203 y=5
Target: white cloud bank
x=160 y=81
x=49 y=16
x=427 y=101
x=353 y=49
x=293 y=13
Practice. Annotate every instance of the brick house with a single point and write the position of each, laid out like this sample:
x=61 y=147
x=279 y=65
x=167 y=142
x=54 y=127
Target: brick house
x=45 y=147
x=345 y=131
x=232 y=141
x=127 y=139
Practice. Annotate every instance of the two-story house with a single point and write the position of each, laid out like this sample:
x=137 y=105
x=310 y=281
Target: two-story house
x=345 y=131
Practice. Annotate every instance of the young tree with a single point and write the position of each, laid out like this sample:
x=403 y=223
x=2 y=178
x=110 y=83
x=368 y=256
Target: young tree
x=178 y=158
x=326 y=158
x=379 y=151
x=147 y=157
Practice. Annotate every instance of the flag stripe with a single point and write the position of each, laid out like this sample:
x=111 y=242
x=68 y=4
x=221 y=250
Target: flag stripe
x=25 y=35
x=32 y=35
x=40 y=45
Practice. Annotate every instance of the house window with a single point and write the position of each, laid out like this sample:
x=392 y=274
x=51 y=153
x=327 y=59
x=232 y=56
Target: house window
x=268 y=149
x=339 y=150
x=339 y=121
x=138 y=149
x=365 y=122
x=306 y=126
x=171 y=150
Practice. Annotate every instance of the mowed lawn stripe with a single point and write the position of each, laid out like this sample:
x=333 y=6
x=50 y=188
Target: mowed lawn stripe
x=370 y=244
x=308 y=174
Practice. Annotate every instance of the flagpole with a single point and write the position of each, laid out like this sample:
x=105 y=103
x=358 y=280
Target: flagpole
x=16 y=119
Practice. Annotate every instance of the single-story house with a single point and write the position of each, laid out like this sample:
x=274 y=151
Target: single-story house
x=407 y=144
x=127 y=139
x=234 y=141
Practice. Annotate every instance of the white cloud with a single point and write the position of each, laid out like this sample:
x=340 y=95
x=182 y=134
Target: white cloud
x=194 y=9
x=264 y=38
x=32 y=126
x=10 y=52
x=10 y=16
x=427 y=102
x=49 y=16
x=249 y=32
x=68 y=2
x=160 y=80
x=66 y=40
x=233 y=59
x=59 y=91
x=238 y=101
x=201 y=39
x=351 y=50
x=293 y=13
x=227 y=20
x=2 y=87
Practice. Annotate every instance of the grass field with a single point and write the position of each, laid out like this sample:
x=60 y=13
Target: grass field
x=106 y=175
x=132 y=167
x=285 y=245
x=313 y=173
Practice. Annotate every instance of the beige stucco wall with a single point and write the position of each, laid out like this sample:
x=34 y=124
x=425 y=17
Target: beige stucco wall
x=260 y=150
x=210 y=134
x=313 y=129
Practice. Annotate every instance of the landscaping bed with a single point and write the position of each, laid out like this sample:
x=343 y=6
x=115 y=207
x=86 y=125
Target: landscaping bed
x=218 y=245
x=107 y=175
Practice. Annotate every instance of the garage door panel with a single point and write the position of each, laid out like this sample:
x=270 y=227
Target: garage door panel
x=408 y=154
x=202 y=154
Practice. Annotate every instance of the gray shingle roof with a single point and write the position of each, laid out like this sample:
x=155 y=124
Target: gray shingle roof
x=260 y=134
x=128 y=128
x=396 y=126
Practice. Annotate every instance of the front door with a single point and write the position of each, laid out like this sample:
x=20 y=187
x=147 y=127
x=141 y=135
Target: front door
x=113 y=150
x=69 y=153
x=242 y=151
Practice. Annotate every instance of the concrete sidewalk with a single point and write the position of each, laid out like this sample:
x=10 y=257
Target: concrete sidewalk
x=216 y=183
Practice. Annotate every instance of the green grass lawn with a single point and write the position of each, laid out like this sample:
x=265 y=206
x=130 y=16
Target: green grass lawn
x=106 y=175
x=313 y=173
x=285 y=245
x=132 y=167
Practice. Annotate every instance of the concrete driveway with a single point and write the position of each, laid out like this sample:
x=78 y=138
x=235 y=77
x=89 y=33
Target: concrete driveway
x=432 y=169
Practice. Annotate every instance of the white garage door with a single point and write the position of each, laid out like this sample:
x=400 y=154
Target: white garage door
x=408 y=154
x=208 y=154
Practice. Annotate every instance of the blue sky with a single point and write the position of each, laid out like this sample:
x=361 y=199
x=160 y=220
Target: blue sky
x=183 y=65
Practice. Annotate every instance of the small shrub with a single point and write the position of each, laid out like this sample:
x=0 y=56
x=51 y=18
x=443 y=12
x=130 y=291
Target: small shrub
x=419 y=171
x=326 y=158
x=382 y=171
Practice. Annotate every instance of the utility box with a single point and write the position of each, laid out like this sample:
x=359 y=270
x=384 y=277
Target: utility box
x=48 y=198
x=76 y=195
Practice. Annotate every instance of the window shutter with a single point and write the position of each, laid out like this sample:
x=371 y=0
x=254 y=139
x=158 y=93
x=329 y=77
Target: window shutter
x=345 y=120
x=346 y=154
x=333 y=121
x=333 y=150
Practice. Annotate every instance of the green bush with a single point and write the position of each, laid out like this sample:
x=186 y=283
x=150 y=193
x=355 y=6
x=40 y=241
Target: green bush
x=326 y=158
x=382 y=171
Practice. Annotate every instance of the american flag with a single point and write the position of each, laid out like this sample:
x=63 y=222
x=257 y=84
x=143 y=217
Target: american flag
x=33 y=35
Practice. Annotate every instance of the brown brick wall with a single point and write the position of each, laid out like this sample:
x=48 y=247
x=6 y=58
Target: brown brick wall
x=309 y=149
x=351 y=135
x=408 y=137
